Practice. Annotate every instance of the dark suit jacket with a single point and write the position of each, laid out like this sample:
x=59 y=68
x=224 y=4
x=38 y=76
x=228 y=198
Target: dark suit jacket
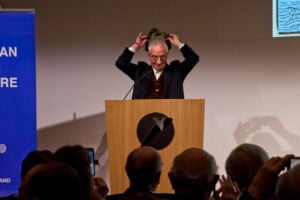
x=174 y=73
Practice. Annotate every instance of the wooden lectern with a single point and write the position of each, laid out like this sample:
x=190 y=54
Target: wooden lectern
x=122 y=118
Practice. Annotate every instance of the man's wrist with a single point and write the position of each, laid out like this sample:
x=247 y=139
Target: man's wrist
x=132 y=49
x=180 y=45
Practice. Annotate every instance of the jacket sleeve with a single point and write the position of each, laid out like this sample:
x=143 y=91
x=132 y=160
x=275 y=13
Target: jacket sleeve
x=191 y=58
x=124 y=63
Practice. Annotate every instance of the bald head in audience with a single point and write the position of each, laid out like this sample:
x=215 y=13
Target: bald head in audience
x=193 y=174
x=143 y=168
x=243 y=163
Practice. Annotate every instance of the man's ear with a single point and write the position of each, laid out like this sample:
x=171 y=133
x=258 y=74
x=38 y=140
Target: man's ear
x=212 y=187
x=213 y=182
x=157 y=177
x=216 y=179
x=172 y=179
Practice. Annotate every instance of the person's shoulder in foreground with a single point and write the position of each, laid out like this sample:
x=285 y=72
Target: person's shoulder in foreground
x=265 y=181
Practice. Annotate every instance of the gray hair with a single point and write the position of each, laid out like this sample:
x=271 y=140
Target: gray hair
x=158 y=42
x=194 y=163
x=243 y=163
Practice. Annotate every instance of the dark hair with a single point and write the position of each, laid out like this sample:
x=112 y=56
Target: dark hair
x=78 y=158
x=33 y=158
x=52 y=180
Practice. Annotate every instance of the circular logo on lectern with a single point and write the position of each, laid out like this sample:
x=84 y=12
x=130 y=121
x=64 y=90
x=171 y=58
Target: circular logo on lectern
x=156 y=130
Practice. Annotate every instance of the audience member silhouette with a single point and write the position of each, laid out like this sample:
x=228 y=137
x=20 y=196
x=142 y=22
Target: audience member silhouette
x=78 y=158
x=193 y=175
x=243 y=163
x=143 y=168
x=264 y=182
x=32 y=158
x=51 y=181
x=288 y=186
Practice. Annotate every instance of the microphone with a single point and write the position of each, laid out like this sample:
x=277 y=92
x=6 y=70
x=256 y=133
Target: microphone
x=139 y=79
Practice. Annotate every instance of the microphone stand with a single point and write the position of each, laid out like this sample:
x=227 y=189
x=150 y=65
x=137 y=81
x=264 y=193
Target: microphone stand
x=133 y=85
x=130 y=89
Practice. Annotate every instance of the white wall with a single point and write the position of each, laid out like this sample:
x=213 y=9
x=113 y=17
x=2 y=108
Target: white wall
x=249 y=79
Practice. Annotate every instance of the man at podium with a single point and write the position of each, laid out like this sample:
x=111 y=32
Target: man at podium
x=159 y=80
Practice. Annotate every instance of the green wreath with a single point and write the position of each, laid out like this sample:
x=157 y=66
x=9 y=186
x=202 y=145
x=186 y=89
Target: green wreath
x=156 y=32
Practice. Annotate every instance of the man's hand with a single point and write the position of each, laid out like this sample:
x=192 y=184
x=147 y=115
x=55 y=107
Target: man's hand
x=140 y=41
x=173 y=38
x=264 y=182
x=228 y=190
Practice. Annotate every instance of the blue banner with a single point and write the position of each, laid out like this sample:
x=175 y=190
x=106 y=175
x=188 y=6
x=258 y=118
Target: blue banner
x=17 y=95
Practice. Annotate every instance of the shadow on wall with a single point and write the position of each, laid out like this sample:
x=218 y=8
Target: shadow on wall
x=88 y=132
x=269 y=133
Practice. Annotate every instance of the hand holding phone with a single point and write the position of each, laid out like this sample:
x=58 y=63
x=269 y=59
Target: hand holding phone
x=293 y=162
x=91 y=154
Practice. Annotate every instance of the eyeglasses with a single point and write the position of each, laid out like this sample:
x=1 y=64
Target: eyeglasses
x=155 y=58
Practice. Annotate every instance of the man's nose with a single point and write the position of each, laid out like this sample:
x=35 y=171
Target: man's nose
x=158 y=61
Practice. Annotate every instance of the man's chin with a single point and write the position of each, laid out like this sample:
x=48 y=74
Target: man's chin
x=159 y=68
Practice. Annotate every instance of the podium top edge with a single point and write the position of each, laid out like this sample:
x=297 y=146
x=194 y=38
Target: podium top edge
x=154 y=99
x=17 y=10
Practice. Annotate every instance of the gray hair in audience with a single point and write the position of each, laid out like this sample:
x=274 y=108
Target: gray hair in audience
x=243 y=163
